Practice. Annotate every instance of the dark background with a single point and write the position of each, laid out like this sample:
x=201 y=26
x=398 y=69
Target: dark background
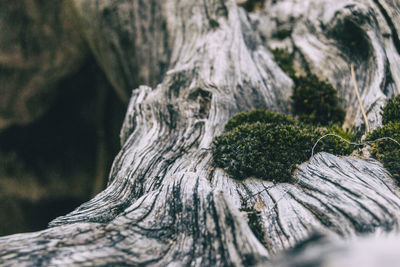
x=55 y=163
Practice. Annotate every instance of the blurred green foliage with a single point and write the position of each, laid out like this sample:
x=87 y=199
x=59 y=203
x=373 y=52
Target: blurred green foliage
x=283 y=33
x=252 y=5
x=314 y=101
x=387 y=151
x=254 y=221
x=391 y=111
x=285 y=61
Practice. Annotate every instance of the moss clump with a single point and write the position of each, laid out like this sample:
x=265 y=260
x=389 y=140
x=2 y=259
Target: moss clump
x=283 y=33
x=351 y=38
x=285 y=61
x=333 y=144
x=261 y=150
x=387 y=151
x=254 y=221
x=391 y=111
x=391 y=161
x=258 y=115
x=269 y=150
x=252 y=5
x=391 y=130
x=316 y=101
x=346 y=134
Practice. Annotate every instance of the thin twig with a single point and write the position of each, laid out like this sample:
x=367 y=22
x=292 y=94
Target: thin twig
x=359 y=98
x=351 y=143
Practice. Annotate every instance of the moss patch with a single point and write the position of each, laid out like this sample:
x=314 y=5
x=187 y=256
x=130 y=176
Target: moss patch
x=254 y=222
x=258 y=115
x=314 y=101
x=268 y=149
x=270 y=146
x=252 y=5
x=387 y=151
x=282 y=34
x=352 y=39
x=285 y=61
x=391 y=161
x=391 y=111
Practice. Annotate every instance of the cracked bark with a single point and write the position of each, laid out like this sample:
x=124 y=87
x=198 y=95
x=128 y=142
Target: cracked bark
x=166 y=203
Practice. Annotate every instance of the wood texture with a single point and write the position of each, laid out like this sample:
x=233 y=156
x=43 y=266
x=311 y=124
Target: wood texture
x=166 y=204
x=328 y=36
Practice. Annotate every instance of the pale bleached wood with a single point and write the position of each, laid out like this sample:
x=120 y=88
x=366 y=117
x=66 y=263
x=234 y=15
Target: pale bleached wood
x=166 y=203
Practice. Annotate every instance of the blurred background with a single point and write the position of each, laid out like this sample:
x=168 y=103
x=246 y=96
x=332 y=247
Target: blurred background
x=59 y=116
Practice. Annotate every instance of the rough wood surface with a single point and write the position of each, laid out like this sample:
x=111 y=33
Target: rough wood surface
x=328 y=36
x=166 y=203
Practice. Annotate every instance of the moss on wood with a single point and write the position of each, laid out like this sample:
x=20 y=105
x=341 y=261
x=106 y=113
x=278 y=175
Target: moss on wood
x=385 y=150
x=285 y=61
x=314 y=101
x=252 y=5
x=282 y=34
x=258 y=115
x=254 y=220
x=391 y=111
x=270 y=146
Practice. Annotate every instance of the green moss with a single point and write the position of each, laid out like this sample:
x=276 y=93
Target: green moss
x=346 y=134
x=379 y=148
x=284 y=60
x=391 y=161
x=283 y=33
x=254 y=222
x=269 y=150
x=391 y=111
x=387 y=151
x=332 y=144
x=316 y=101
x=351 y=38
x=258 y=115
x=252 y=5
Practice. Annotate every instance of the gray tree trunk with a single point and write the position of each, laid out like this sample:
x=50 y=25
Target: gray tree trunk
x=166 y=203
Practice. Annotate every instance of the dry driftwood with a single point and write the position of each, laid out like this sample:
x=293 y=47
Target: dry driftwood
x=166 y=203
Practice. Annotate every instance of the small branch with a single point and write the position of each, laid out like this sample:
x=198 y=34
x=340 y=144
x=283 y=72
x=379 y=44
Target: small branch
x=351 y=143
x=359 y=98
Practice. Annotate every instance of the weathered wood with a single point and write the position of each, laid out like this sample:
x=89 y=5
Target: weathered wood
x=166 y=203
x=129 y=40
x=328 y=36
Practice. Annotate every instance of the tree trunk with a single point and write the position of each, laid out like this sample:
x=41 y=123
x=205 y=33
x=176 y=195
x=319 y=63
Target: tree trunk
x=166 y=203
